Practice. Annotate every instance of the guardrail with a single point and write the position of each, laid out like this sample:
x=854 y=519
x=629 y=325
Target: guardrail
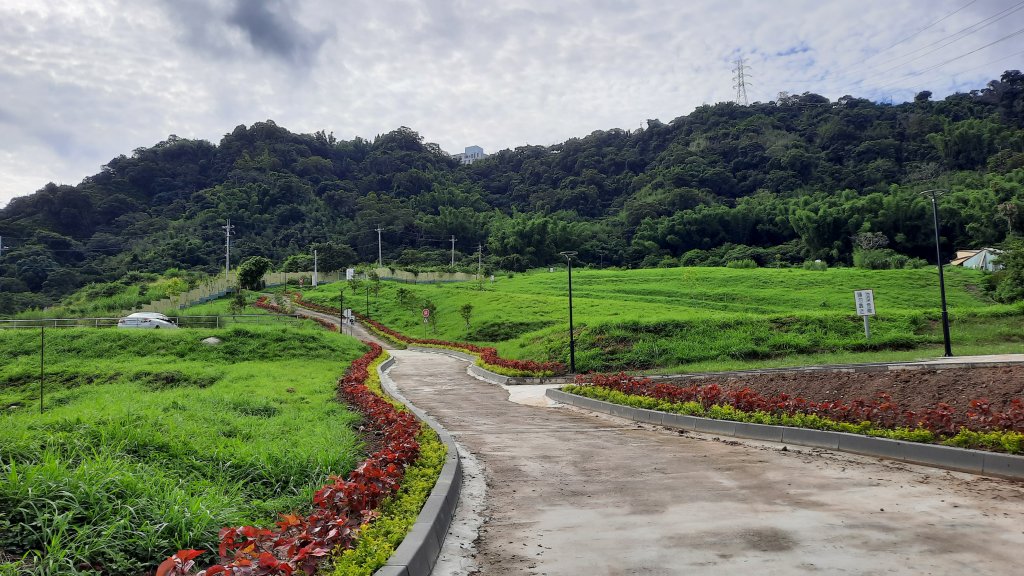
x=181 y=321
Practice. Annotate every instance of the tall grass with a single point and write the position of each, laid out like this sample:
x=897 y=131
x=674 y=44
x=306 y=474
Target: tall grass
x=151 y=441
x=660 y=318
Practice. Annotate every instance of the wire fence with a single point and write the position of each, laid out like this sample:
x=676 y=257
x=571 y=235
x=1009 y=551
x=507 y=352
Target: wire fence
x=180 y=321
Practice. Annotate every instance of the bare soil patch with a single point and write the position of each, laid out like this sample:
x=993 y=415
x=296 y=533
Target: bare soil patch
x=911 y=389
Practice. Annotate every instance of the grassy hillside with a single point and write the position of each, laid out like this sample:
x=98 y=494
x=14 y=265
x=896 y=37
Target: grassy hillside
x=687 y=317
x=152 y=441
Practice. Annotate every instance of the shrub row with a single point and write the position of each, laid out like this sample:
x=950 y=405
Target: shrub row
x=489 y=357
x=881 y=411
x=980 y=427
x=263 y=302
x=299 y=543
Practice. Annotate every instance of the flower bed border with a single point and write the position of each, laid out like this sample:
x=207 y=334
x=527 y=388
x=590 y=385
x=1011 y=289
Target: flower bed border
x=961 y=459
x=488 y=357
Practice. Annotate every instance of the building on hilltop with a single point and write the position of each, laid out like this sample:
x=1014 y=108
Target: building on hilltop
x=472 y=154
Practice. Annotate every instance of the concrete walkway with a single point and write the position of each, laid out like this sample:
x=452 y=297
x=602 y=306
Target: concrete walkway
x=569 y=492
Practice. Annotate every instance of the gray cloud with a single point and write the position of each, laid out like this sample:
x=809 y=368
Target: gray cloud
x=223 y=28
x=88 y=80
x=273 y=30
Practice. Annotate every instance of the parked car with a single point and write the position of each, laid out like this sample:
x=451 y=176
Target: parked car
x=152 y=320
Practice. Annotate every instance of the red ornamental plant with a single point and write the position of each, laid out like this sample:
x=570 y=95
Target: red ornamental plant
x=298 y=543
x=881 y=411
x=487 y=354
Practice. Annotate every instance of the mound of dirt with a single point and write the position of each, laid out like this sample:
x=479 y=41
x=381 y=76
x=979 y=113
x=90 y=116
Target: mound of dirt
x=911 y=389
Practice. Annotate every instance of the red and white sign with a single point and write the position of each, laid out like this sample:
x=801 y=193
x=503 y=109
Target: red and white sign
x=426 y=312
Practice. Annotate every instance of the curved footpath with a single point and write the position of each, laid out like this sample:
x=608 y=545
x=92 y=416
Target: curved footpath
x=571 y=492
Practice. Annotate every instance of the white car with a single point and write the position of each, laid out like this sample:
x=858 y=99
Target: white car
x=152 y=320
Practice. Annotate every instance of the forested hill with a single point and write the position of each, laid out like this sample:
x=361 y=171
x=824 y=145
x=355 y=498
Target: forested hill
x=777 y=182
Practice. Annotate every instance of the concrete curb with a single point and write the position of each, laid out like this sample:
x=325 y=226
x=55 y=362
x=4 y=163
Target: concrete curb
x=948 y=457
x=942 y=364
x=418 y=552
x=493 y=376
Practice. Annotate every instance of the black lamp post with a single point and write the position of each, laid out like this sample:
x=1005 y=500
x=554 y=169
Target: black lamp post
x=572 y=339
x=938 y=261
x=341 y=311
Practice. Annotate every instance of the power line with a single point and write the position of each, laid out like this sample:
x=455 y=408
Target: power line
x=941 y=64
x=965 y=33
x=863 y=68
x=915 y=34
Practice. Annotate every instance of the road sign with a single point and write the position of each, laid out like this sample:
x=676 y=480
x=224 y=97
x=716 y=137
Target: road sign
x=865 y=300
x=426 y=312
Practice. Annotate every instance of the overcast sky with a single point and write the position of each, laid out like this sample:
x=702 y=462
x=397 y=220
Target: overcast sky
x=82 y=81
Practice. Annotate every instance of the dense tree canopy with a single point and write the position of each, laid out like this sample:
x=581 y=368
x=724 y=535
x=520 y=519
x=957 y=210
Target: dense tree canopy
x=777 y=182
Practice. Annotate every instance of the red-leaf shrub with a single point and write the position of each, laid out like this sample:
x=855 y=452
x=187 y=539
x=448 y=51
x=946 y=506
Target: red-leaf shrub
x=297 y=543
x=881 y=411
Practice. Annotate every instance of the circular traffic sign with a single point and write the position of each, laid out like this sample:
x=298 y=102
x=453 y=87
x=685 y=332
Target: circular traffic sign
x=426 y=312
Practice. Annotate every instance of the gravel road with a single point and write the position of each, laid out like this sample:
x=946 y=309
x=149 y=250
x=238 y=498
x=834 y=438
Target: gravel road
x=569 y=492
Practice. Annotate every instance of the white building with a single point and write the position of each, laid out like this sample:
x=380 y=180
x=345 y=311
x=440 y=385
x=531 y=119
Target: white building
x=472 y=154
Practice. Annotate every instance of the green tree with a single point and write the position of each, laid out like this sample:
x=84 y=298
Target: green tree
x=466 y=311
x=298 y=263
x=1011 y=283
x=251 y=271
x=238 y=302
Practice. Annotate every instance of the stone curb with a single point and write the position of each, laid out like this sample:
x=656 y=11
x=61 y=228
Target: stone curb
x=948 y=457
x=418 y=552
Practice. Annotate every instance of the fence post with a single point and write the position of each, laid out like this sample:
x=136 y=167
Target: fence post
x=42 y=366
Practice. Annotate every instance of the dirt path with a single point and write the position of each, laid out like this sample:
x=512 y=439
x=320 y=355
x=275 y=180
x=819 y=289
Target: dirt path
x=569 y=492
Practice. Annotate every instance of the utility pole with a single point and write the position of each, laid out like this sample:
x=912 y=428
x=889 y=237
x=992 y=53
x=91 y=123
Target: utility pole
x=572 y=339
x=938 y=261
x=227 y=249
x=453 y=251
x=480 y=261
x=314 y=269
x=379 y=259
x=740 y=78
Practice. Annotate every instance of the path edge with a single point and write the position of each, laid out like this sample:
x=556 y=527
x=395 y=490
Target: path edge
x=420 y=548
x=948 y=457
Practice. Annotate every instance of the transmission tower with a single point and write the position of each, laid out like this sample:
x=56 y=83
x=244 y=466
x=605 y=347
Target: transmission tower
x=740 y=80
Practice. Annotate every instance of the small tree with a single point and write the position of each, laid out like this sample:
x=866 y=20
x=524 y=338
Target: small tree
x=1011 y=278
x=238 y=302
x=466 y=311
x=403 y=295
x=251 y=271
x=375 y=279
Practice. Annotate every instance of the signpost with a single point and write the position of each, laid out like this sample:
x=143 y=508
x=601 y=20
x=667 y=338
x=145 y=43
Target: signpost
x=426 y=317
x=865 y=300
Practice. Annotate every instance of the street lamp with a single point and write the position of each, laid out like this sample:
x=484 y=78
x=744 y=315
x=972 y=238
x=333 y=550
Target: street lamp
x=938 y=262
x=572 y=339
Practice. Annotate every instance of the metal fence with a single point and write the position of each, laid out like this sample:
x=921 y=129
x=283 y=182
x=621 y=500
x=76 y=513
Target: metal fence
x=181 y=321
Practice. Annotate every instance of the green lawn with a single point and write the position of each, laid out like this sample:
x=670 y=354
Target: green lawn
x=151 y=441
x=698 y=318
